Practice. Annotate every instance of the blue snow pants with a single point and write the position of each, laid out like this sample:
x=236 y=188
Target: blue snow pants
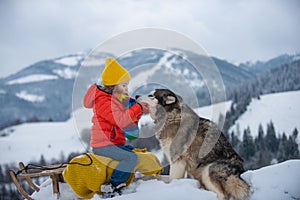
x=127 y=161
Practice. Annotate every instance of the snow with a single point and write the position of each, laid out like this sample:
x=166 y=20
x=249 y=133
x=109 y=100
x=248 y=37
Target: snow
x=32 y=78
x=143 y=77
x=27 y=142
x=276 y=182
x=30 y=97
x=70 y=60
x=2 y=92
x=296 y=57
x=280 y=181
x=66 y=73
x=213 y=112
x=280 y=108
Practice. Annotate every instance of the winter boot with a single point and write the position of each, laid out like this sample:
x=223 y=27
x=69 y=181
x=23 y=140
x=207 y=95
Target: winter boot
x=110 y=191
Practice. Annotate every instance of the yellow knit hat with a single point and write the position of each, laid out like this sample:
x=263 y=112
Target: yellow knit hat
x=114 y=73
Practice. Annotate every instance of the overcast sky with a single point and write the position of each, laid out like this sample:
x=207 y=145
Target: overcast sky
x=235 y=30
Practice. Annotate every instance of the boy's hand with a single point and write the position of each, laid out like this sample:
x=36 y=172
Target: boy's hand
x=145 y=107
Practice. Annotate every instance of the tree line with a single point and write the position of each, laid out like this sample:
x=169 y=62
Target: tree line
x=266 y=148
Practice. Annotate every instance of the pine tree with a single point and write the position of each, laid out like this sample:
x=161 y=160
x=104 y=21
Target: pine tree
x=42 y=160
x=247 y=147
x=282 y=149
x=6 y=177
x=270 y=139
x=1 y=175
x=3 y=192
x=234 y=140
x=292 y=150
x=295 y=134
x=259 y=141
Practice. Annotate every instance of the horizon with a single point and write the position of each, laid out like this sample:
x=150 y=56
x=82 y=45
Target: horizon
x=211 y=56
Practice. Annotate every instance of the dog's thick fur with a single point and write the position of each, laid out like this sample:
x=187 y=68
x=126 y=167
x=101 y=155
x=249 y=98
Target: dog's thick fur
x=195 y=145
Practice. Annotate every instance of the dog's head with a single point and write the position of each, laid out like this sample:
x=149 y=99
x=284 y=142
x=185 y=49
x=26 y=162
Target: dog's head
x=160 y=99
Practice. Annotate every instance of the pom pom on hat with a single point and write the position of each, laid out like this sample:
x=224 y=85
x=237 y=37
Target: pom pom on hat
x=114 y=73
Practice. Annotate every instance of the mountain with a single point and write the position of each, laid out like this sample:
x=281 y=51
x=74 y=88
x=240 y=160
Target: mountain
x=154 y=68
x=40 y=92
x=279 y=79
x=262 y=66
x=48 y=90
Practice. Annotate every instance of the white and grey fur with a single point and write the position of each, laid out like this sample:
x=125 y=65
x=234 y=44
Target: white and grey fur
x=195 y=145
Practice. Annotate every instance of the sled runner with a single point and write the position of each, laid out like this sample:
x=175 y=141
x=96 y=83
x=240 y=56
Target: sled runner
x=31 y=171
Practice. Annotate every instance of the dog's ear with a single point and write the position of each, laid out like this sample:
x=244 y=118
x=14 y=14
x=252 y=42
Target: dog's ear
x=170 y=99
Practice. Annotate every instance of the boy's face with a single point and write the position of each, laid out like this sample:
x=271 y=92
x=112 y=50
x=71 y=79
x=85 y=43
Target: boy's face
x=122 y=88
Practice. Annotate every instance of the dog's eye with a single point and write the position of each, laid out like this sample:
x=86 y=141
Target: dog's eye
x=151 y=96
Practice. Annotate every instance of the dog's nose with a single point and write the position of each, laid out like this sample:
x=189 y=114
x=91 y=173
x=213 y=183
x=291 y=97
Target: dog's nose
x=137 y=96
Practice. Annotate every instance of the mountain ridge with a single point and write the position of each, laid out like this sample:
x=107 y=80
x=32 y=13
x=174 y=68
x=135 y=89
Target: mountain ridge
x=43 y=91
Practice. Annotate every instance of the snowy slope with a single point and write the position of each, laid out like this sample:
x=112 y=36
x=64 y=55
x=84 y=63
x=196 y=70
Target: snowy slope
x=27 y=142
x=280 y=108
x=276 y=182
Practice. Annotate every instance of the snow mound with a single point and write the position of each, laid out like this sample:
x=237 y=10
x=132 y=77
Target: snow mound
x=280 y=181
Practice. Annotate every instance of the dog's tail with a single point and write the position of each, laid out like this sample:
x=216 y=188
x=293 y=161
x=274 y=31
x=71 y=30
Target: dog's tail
x=237 y=188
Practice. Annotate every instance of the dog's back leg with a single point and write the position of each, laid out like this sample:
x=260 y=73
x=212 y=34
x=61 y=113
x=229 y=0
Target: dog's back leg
x=225 y=178
x=211 y=184
x=237 y=188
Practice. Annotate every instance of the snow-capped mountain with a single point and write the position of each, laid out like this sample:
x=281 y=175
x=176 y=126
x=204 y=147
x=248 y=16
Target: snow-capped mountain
x=43 y=91
x=262 y=66
x=40 y=92
x=48 y=90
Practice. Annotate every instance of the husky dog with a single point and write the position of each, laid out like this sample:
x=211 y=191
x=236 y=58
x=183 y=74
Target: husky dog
x=195 y=145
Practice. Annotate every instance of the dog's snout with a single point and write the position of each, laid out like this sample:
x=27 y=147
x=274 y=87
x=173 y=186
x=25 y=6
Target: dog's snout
x=137 y=96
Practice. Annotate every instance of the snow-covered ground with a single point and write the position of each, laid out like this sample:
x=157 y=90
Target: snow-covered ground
x=28 y=142
x=276 y=182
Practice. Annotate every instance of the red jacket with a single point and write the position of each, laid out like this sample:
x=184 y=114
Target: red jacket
x=110 y=117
